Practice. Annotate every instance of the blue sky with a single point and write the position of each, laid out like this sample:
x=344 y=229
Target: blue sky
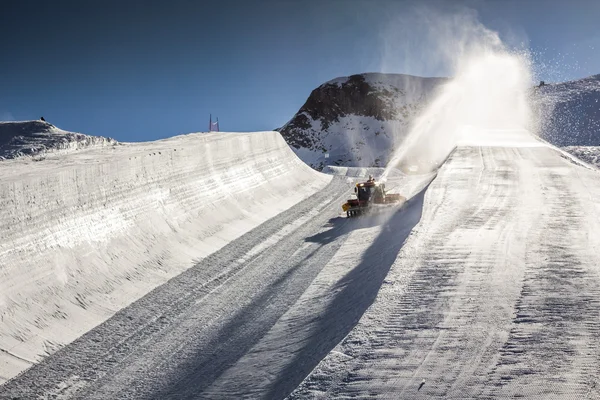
x=144 y=70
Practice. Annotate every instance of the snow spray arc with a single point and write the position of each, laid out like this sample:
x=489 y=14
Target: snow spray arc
x=488 y=92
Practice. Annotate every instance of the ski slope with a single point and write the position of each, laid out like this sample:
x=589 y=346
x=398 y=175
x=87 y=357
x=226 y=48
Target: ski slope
x=484 y=285
x=85 y=234
x=495 y=295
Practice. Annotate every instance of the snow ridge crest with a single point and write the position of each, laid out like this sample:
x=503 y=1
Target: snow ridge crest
x=39 y=138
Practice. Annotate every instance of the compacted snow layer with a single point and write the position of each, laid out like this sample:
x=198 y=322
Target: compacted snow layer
x=494 y=295
x=485 y=284
x=249 y=321
x=84 y=235
x=39 y=139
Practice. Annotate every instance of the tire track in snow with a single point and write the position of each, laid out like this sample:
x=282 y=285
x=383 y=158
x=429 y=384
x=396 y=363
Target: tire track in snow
x=554 y=346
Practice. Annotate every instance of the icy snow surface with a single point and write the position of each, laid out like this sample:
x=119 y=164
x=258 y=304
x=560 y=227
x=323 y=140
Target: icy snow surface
x=485 y=284
x=569 y=112
x=84 y=235
x=360 y=172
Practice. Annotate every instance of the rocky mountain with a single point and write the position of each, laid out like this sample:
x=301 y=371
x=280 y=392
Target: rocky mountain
x=589 y=154
x=358 y=120
x=38 y=138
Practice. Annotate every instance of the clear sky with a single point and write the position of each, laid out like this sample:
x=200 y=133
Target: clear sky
x=142 y=70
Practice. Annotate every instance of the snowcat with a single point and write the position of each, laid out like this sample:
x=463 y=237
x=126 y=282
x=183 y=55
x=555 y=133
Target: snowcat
x=370 y=195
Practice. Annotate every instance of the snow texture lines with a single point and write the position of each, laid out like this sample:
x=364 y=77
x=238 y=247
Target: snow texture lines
x=496 y=294
x=84 y=235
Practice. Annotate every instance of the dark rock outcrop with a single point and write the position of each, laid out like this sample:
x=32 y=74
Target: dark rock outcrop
x=357 y=120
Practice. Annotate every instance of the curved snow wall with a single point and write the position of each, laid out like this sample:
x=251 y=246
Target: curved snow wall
x=84 y=235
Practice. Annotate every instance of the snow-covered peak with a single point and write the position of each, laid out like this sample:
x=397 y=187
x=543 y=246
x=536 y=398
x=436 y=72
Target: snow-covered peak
x=357 y=120
x=568 y=113
x=36 y=138
x=337 y=81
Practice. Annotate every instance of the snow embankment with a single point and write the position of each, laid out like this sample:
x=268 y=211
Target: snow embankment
x=84 y=235
x=568 y=113
x=39 y=138
x=588 y=154
x=360 y=172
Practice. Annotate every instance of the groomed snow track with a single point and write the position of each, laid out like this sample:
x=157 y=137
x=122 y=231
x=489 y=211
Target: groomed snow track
x=496 y=294
x=484 y=285
x=84 y=235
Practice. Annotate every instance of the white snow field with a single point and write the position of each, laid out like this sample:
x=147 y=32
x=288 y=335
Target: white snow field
x=495 y=294
x=485 y=284
x=84 y=235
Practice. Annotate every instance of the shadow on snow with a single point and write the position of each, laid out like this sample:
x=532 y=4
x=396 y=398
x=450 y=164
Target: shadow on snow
x=355 y=292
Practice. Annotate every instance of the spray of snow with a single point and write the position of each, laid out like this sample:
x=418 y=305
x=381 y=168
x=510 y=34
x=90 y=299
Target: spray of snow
x=486 y=101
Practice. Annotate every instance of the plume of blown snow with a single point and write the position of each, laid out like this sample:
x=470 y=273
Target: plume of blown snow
x=484 y=102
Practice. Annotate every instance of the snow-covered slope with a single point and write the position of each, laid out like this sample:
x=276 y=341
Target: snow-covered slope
x=38 y=138
x=82 y=235
x=568 y=116
x=357 y=120
x=494 y=294
x=569 y=112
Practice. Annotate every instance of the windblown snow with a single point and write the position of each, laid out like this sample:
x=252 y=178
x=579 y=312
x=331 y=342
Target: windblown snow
x=356 y=121
x=220 y=265
x=569 y=113
x=568 y=116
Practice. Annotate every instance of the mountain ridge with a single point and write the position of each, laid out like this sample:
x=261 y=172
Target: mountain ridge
x=357 y=120
x=39 y=138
